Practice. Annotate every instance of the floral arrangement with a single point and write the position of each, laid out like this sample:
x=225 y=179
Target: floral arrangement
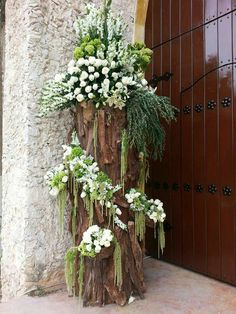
x=94 y=239
x=81 y=172
x=106 y=72
x=144 y=207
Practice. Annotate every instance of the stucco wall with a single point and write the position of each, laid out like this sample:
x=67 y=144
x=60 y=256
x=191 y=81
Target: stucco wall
x=39 y=41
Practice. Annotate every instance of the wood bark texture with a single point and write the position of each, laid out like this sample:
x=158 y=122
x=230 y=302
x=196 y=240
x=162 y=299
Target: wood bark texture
x=99 y=287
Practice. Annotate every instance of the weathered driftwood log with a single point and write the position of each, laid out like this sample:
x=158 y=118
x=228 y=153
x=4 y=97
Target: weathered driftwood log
x=99 y=284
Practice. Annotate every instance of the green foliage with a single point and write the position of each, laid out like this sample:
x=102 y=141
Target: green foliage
x=124 y=157
x=70 y=268
x=142 y=172
x=161 y=238
x=142 y=55
x=81 y=276
x=118 y=278
x=140 y=225
x=62 y=196
x=54 y=97
x=95 y=135
x=145 y=131
x=88 y=47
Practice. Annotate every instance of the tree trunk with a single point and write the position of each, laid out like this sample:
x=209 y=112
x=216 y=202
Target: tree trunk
x=99 y=287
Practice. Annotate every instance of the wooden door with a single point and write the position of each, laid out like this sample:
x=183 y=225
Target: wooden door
x=196 y=41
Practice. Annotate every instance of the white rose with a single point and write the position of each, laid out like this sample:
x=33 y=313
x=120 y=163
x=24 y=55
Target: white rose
x=83 y=76
x=91 y=77
x=96 y=75
x=106 y=82
x=105 y=70
x=118 y=211
x=95 y=86
x=107 y=243
x=98 y=63
x=119 y=85
x=88 y=89
x=90 y=95
x=86 y=62
x=54 y=191
x=144 y=82
x=64 y=179
x=80 y=97
x=80 y=62
x=77 y=91
x=83 y=195
x=98 y=249
x=92 y=60
x=108 y=204
x=115 y=75
x=89 y=247
x=82 y=84
x=113 y=64
x=91 y=69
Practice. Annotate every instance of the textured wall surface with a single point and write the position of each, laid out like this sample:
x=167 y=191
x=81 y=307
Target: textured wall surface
x=38 y=43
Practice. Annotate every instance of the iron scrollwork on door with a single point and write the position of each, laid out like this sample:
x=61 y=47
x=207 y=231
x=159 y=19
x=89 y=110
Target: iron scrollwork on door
x=175 y=186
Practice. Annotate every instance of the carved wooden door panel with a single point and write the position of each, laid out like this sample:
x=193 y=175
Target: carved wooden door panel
x=196 y=41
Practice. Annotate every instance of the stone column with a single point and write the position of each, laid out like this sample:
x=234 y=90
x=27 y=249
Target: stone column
x=38 y=43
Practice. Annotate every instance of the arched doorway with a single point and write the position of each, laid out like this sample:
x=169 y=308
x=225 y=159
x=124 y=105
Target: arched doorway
x=195 y=40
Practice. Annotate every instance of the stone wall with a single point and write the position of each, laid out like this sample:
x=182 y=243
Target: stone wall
x=38 y=43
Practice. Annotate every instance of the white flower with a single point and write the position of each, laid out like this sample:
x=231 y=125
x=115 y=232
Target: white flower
x=105 y=70
x=87 y=237
x=77 y=91
x=95 y=86
x=80 y=97
x=115 y=76
x=106 y=82
x=89 y=247
x=88 y=89
x=157 y=202
x=108 y=204
x=144 y=82
x=72 y=70
x=90 y=95
x=98 y=63
x=97 y=249
x=60 y=167
x=86 y=62
x=54 y=191
x=83 y=76
x=113 y=64
x=118 y=211
x=104 y=63
x=59 y=77
x=82 y=84
x=80 y=62
x=91 y=77
x=107 y=243
x=92 y=60
x=64 y=179
x=96 y=75
x=71 y=64
x=119 y=85
x=91 y=69
x=83 y=194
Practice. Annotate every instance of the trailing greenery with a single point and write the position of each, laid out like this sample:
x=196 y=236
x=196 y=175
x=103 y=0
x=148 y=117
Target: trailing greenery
x=118 y=278
x=142 y=172
x=145 y=131
x=95 y=135
x=124 y=157
x=70 y=268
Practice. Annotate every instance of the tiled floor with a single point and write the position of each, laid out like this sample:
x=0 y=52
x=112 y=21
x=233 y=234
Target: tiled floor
x=170 y=290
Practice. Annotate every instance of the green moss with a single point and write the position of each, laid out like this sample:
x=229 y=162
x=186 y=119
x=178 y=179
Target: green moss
x=118 y=278
x=124 y=157
x=140 y=225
